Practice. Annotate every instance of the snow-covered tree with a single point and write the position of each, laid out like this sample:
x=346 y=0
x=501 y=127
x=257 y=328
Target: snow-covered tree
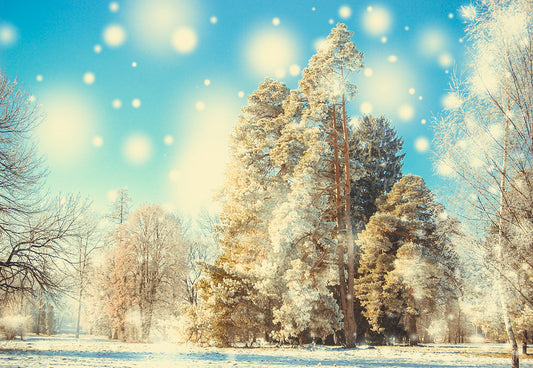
x=407 y=266
x=484 y=140
x=84 y=246
x=254 y=187
x=327 y=85
x=378 y=149
x=154 y=257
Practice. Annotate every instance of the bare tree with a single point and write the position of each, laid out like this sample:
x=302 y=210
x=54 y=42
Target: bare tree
x=485 y=139
x=33 y=228
x=85 y=244
x=155 y=262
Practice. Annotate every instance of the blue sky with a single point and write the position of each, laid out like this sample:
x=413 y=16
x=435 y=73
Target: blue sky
x=144 y=93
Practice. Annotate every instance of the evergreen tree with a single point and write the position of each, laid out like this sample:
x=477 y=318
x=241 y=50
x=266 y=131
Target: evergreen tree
x=407 y=264
x=378 y=149
x=327 y=85
x=254 y=187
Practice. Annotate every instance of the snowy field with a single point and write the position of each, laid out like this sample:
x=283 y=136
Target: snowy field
x=99 y=352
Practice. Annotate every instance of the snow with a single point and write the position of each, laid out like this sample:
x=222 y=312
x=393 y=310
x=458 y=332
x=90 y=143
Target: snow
x=174 y=175
x=366 y=108
x=422 y=144
x=184 y=40
x=65 y=351
x=406 y=112
x=200 y=105
x=137 y=149
x=294 y=70
x=392 y=58
x=114 y=7
x=89 y=78
x=376 y=21
x=117 y=103
x=451 y=101
x=114 y=35
x=368 y=72
x=169 y=140
x=8 y=34
x=270 y=50
x=98 y=141
x=345 y=12
x=136 y=103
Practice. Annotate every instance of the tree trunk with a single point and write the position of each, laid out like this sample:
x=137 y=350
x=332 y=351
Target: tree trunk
x=340 y=240
x=524 y=343
x=501 y=281
x=411 y=328
x=78 y=316
x=349 y=318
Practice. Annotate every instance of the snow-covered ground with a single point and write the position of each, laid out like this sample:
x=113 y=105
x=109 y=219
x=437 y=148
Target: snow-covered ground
x=66 y=351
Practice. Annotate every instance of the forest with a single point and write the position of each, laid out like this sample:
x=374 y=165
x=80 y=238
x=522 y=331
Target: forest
x=321 y=237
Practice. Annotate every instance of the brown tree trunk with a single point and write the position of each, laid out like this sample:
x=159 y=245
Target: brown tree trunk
x=524 y=343
x=349 y=318
x=411 y=328
x=340 y=240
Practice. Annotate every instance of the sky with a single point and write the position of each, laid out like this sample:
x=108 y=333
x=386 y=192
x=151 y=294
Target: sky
x=143 y=94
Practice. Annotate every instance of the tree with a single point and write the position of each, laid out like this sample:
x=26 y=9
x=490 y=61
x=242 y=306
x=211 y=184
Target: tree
x=152 y=254
x=34 y=229
x=121 y=206
x=484 y=140
x=326 y=83
x=254 y=186
x=378 y=149
x=85 y=244
x=407 y=265
x=34 y=253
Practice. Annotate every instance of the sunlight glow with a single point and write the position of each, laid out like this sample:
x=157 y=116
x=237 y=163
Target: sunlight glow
x=65 y=135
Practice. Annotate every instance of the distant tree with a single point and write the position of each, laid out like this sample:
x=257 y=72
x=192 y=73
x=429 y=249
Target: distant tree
x=84 y=247
x=120 y=207
x=151 y=261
